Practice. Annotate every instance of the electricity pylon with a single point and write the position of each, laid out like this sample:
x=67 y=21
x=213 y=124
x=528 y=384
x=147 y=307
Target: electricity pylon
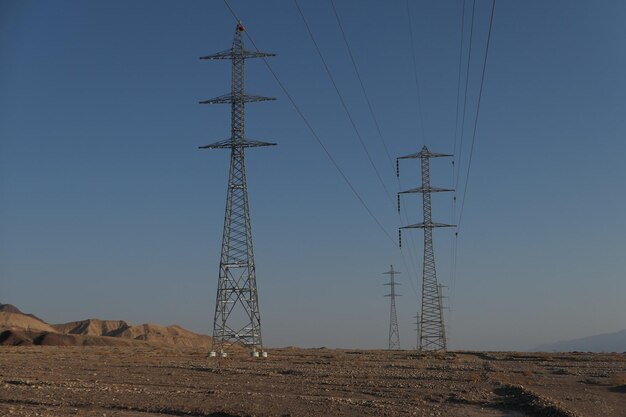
x=432 y=334
x=394 y=334
x=237 y=319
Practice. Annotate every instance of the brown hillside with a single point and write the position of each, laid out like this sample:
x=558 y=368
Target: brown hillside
x=15 y=338
x=27 y=329
x=91 y=327
x=9 y=308
x=18 y=321
x=171 y=335
x=29 y=338
x=55 y=339
x=151 y=333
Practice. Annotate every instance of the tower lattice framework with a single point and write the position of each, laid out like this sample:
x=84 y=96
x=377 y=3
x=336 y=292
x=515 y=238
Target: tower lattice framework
x=394 y=333
x=432 y=334
x=237 y=318
x=417 y=329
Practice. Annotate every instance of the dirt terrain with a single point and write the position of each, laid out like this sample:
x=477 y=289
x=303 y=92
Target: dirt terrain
x=141 y=381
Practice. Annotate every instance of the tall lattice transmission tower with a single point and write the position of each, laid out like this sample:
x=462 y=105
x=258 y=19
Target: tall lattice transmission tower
x=432 y=334
x=394 y=334
x=237 y=319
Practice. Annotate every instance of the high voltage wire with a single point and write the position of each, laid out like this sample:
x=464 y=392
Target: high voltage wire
x=456 y=134
x=457 y=178
x=341 y=99
x=480 y=94
x=358 y=74
x=414 y=60
x=469 y=56
x=460 y=133
x=458 y=88
x=314 y=133
x=348 y=114
x=374 y=119
x=417 y=84
x=455 y=251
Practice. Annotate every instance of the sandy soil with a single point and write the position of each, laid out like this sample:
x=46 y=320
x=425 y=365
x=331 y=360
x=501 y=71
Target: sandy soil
x=149 y=381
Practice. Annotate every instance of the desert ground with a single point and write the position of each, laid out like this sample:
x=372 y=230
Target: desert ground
x=143 y=381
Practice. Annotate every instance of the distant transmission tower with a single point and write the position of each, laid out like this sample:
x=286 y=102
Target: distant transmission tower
x=432 y=334
x=237 y=319
x=394 y=334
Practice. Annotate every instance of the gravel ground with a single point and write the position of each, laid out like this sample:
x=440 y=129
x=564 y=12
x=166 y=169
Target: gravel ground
x=146 y=381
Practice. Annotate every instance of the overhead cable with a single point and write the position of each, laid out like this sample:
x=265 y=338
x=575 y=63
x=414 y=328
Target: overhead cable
x=480 y=94
x=314 y=133
x=341 y=99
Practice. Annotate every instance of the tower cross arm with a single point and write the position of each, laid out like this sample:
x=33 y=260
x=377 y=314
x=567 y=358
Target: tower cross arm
x=228 y=144
x=426 y=190
x=424 y=154
x=427 y=225
x=230 y=54
x=230 y=98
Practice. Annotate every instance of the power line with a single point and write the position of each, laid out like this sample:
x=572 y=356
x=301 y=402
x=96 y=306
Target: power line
x=314 y=133
x=358 y=74
x=456 y=133
x=378 y=128
x=458 y=83
x=345 y=107
x=469 y=58
x=341 y=99
x=416 y=78
x=455 y=246
x=480 y=94
x=417 y=84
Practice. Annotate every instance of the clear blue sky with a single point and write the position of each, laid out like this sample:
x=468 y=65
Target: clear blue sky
x=109 y=210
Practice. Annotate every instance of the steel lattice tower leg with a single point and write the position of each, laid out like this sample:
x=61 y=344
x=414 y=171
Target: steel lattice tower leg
x=237 y=319
x=432 y=335
x=394 y=334
x=417 y=329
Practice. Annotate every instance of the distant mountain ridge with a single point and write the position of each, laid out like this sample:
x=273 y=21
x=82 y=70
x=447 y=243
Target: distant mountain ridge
x=10 y=308
x=18 y=328
x=91 y=327
x=169 y=335
x=606 y=342
x=21 y=321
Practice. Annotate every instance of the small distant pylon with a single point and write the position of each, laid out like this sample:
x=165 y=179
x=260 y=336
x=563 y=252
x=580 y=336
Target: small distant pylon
x=237 y=319
x=394 y=333
x=432 y=333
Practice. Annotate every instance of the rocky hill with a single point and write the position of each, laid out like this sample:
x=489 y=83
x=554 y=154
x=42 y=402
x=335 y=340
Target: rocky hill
x=19 y=329
x=151 y=333
x=19 y=321
x=9 y=308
